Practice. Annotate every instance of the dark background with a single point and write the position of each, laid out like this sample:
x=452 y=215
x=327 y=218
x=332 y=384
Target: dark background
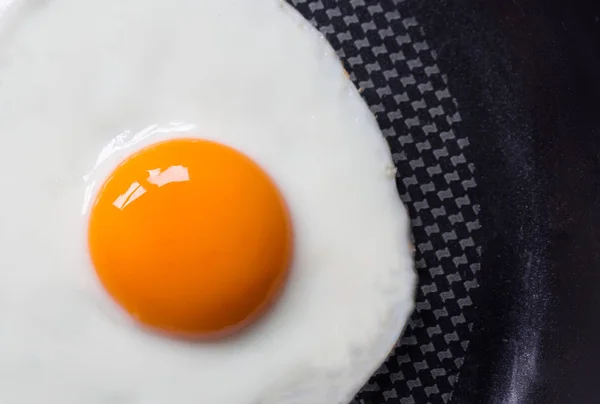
x=526 y=74
x=491 y=109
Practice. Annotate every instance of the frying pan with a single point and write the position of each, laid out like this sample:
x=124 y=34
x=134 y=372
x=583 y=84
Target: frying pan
x=492 y=113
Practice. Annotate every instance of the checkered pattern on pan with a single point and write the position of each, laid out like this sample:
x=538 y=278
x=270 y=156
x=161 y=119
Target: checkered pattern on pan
x=385 y=51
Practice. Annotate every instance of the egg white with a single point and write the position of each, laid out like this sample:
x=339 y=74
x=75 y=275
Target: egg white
x=85 y=84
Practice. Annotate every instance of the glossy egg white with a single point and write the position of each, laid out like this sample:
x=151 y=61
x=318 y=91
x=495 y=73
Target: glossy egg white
x=83 y=84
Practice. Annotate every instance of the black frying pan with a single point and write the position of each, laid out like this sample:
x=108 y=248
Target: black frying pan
x=491 y=109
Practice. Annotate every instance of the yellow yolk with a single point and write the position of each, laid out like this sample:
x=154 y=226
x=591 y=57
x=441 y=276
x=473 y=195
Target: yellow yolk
x=191 y=237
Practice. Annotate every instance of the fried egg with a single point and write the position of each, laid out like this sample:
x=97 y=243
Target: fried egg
x=198 y=208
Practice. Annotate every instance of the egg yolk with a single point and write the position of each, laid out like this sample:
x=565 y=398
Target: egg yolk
x=191 y=237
